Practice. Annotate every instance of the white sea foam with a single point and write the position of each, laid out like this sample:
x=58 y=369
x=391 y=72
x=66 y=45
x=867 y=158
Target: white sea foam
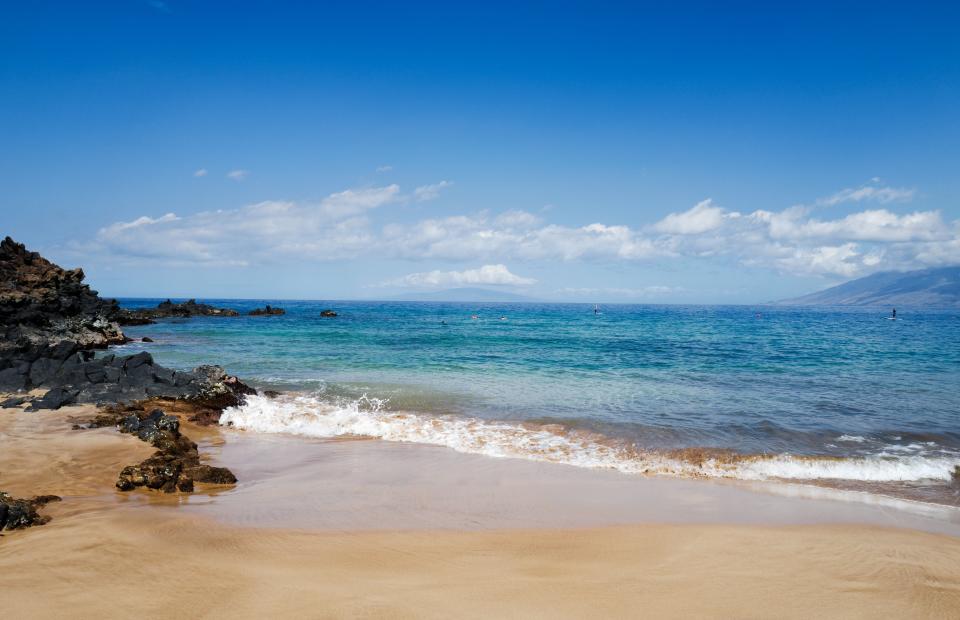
x=853 y=438
x=313 y=417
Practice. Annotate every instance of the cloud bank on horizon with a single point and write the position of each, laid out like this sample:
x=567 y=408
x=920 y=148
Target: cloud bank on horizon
x=802 y=240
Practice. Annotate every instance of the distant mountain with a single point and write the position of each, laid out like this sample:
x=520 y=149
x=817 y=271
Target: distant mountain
x=926 y=287
x=462 y=294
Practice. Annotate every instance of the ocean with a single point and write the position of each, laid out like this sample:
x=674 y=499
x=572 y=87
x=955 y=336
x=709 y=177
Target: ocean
x=839 y=397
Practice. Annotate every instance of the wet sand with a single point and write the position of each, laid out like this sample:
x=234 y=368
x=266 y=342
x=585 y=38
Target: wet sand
x=364 y=528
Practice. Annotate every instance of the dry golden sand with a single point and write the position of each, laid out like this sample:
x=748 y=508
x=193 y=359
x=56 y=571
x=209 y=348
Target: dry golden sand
x=110 y=555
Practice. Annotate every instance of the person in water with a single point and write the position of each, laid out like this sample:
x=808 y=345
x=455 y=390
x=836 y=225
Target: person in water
x=894 y=316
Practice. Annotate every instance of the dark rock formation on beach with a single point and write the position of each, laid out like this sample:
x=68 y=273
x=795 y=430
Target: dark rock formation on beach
x=175 y=466
x=267 y=310
x=41 y=303
x=328 y=313
x=20 y=513
x=168 y=309
x=50 y=325
x=73 y=376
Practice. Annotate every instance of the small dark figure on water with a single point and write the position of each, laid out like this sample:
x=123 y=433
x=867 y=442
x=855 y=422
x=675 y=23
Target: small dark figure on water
x=894 y=315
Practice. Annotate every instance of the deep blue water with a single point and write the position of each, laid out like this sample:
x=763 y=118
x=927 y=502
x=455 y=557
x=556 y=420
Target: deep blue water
x=753 y=379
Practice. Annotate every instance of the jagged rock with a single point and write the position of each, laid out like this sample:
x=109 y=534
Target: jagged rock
x=16 y=401
x=41 y=303
x=168 y=309
x=20 y=513
x=128 y=379
x=50 y=322
x=176 y=463
x=267 y=311
x=54 y=399
x=328 y=313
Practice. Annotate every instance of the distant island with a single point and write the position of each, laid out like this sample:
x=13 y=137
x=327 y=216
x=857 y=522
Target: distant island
x=938 y=287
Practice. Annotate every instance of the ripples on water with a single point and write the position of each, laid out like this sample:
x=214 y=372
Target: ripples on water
x=637 y=380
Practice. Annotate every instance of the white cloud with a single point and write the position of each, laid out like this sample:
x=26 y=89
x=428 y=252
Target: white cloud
x=347 y=224
x=842 y=260
x=870 y=192
x=238 y=175
x=140 y=222
x=703 y=217
x=491 y=275
x=384 y=168
x=430 y=192
x=353 y=201
x=201 y=172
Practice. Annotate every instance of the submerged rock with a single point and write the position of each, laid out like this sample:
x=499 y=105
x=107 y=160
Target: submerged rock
x=16 y=514
x=267 y=310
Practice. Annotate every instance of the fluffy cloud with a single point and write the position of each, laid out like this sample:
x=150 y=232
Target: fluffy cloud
x=347 y=224
x=492 y=275
x=703 y=217
x=201 y=172
x=238 y=175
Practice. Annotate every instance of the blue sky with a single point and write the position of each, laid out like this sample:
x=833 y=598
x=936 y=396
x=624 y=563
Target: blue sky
x=668 y=152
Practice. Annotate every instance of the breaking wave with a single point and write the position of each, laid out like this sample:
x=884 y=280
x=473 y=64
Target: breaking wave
x=368 y=417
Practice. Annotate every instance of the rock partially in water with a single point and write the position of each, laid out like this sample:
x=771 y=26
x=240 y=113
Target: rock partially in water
x=175 y=466
x=146 y=339
x=267 y=310
x=16 y=514
x=328 y=313
x=112 y=379
x=169 y=309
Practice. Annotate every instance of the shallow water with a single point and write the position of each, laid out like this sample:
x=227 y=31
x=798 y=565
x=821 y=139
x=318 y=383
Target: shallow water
x=844 y=396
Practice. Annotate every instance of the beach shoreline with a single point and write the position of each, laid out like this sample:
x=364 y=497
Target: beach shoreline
x=102 y=548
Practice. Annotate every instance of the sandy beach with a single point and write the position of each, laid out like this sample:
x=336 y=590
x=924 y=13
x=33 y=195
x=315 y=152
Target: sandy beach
x=293 y=539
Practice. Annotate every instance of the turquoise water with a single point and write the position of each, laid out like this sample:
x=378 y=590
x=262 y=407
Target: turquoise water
x=755 y=380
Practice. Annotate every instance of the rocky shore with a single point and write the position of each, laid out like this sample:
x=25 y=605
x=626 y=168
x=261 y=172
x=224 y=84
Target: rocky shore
x=52 y=325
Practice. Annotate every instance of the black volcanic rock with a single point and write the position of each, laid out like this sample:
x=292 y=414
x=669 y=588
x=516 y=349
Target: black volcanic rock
x=175 y=466
x=16 y=514
x=50 y=322
x=43 y=304
x=168 y=309
x=267 y=310
x=328 y=313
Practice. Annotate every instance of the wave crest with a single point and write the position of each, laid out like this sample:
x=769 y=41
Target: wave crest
x=367 y=417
